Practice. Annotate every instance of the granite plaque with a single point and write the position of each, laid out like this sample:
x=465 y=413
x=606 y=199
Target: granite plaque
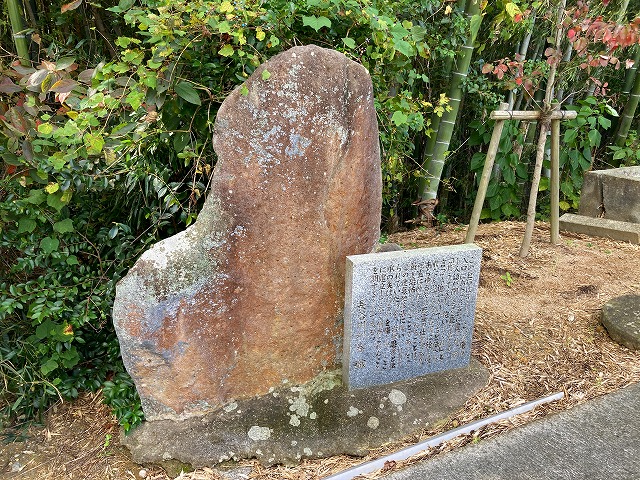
x=408 y=313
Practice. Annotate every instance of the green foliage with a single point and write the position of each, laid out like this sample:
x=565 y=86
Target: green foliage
x=508 y=188
x=581 y=143
x=629 y=155
x=506 y=192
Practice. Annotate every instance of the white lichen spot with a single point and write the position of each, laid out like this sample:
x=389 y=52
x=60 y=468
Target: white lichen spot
x=230 y=407
x=271 y=459
x=381 y=406
x=313 y=415
x=294 y=443
x=397 y=397
x=294 y=421
x=259 y=452
x=271 y=390
x=257 y=433
x=326 y=400
x=307 y=451
x=353 y=411
x=300 y=406
x=373 y=423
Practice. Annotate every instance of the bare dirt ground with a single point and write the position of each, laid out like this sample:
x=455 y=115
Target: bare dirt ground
x=537 y=331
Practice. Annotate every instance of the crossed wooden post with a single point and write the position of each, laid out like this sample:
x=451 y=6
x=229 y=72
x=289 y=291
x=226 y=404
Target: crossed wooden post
x=501 y=116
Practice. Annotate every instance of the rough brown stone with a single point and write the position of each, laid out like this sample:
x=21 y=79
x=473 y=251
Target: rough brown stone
x=251 y=295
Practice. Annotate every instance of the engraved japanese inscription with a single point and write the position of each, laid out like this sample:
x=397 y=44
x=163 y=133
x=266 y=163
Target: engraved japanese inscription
x=408 y=313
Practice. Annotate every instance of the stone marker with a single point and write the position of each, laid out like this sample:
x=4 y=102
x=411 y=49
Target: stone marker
x=409 y=313
x=613 y=194
x=609 y=205
x=251 y=295
x=621 y=318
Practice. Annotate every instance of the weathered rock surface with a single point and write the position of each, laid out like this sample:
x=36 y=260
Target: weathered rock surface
x=251 y=295
x=621 y=318
x=612 y=194
x=319 y=419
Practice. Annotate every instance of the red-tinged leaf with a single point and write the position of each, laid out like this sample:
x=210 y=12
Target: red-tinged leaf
x=23 y=71
x=62 y=97
x=628 y=63
x=70 y=6
x=27 y=150
x=517 y=18
x=36 y=78
x=549 y=52
x=486 y=68
x=86 y=75
x=63 y=86
x=7 y=86
x=49 y=65
x=499 y=73
x=519 y=81
x=571 y=34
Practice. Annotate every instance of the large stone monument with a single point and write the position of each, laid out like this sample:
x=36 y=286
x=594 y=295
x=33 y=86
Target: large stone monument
x=251 y=295
x=233 y=329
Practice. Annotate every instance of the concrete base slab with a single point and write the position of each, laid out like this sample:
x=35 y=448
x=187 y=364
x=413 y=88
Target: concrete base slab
x=601 y=227
x=318 y=419
x=621 y=318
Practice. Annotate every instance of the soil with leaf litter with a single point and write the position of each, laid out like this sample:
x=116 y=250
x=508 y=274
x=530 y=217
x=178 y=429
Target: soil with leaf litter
x=537 y=331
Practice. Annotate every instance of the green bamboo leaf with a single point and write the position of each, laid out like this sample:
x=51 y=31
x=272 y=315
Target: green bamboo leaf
x=186 y=91
x=476 y=21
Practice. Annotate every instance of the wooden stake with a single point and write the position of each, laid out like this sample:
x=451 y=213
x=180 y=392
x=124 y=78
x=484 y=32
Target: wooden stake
x=503 y=114
x=486 y=176
x=555 y=181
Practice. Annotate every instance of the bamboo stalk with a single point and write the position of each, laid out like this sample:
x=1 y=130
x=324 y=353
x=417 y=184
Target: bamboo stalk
x=433 y=165
x=17 y=27
x=484 y=179
x=628 y=114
